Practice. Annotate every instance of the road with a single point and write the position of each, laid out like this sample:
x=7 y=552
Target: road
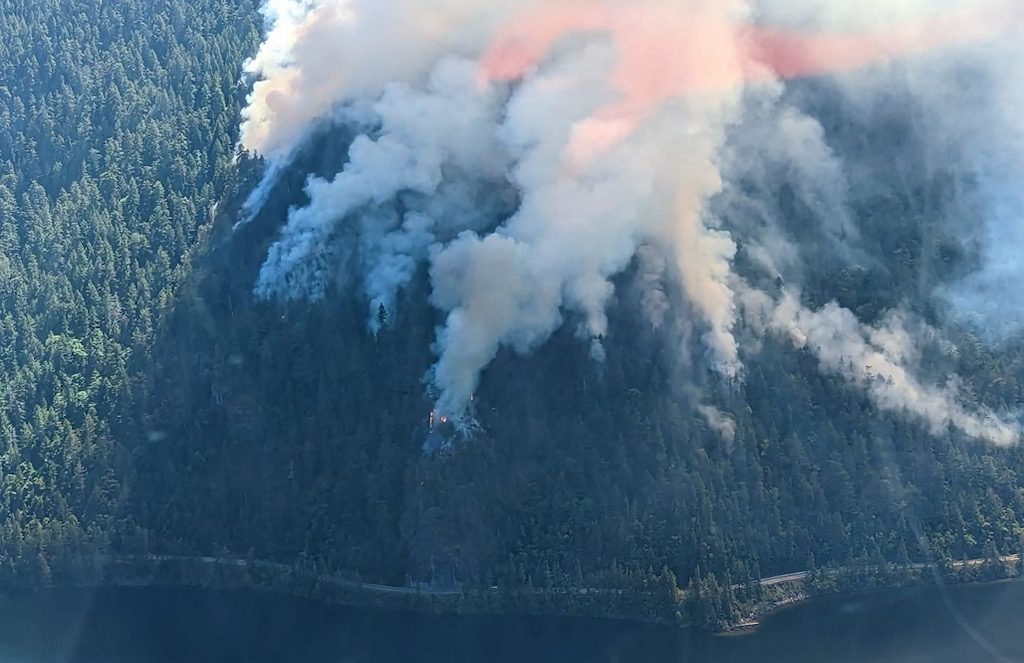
x=285 y=569
x=338 y=581
x=789 y=577
x=802 y=575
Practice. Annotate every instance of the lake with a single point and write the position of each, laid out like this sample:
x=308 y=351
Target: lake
x=959 y=625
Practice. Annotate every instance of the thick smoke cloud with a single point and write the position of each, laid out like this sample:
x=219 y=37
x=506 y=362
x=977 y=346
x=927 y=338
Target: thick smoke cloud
x=425 y=136
x=528 y=153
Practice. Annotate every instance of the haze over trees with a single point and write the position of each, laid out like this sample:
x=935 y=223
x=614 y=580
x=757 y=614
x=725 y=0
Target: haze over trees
x=151 y=403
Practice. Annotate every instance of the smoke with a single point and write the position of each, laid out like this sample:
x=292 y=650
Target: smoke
x=991 y=120
x=321 y=54
x=780 y=145
x=318 y=53
x=967 y=101
x=719 y=422
x=425 y=135
x=529 y=153
x=586 y=206
x=881 y=360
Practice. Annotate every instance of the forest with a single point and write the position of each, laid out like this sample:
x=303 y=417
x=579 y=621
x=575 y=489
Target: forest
x=152 y=404
x=117 y=133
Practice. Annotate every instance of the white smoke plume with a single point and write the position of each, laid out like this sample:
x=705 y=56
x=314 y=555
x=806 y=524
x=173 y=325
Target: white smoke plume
x=512 y=285
x=603 y=126
x=719 y=422
x=321 y=53
x=447 y=125
x=881 y=360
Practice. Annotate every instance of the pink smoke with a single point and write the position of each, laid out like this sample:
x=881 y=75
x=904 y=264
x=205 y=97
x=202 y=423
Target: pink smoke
x=666 y=52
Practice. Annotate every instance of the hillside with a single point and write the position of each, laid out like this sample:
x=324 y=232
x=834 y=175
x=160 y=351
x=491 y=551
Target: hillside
x=164 y=396
x=294 y=431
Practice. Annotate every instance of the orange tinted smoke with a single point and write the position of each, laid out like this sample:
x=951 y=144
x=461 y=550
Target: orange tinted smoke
x=667 y=51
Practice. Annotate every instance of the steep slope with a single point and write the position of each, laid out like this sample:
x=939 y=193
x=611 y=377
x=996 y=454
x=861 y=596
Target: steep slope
x=154 y=403
x=290 y=430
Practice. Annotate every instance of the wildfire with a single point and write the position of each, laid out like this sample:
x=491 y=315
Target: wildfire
x=435 y=418
x=668 y=51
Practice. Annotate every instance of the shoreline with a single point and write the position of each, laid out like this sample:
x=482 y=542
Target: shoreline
x=229 y=574
x=950 y=578
x=640 y=606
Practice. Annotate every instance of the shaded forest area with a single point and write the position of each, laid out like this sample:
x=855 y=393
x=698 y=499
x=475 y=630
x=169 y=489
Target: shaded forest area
x=151 y=404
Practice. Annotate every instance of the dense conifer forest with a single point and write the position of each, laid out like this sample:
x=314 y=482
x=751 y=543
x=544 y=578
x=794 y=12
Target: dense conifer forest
x=117 y=131
x=152 y=404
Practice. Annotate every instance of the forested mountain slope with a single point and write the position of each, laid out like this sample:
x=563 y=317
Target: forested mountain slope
x=293 y=431
x=153 y=404
x=117 y=132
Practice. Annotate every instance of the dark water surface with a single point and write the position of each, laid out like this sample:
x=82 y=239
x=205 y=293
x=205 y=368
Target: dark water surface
x=961 y=625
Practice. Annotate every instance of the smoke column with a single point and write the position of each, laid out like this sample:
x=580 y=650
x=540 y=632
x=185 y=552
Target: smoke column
x=609 y=121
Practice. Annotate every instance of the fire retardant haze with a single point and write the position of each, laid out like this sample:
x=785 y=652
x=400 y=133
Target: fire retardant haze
x=529 y=154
